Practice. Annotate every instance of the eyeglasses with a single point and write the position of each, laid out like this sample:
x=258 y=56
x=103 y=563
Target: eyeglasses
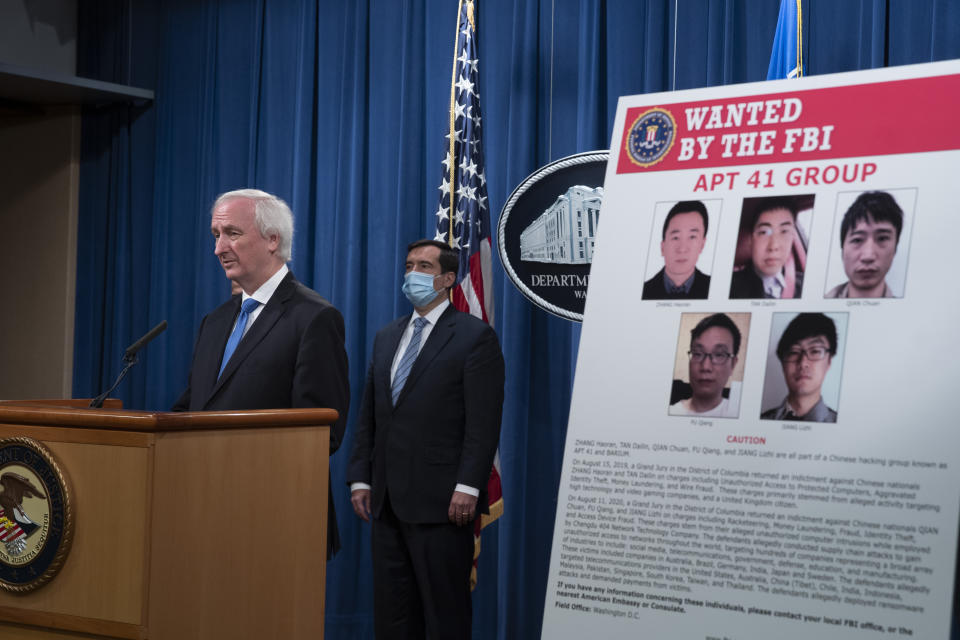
x=715 y=358
x=813 y=354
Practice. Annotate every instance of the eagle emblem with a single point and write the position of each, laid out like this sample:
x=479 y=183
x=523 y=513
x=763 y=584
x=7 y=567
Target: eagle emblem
x=15 y=525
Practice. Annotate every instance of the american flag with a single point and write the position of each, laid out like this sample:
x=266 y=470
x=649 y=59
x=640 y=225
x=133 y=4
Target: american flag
x=463 y=215
x=463 y=187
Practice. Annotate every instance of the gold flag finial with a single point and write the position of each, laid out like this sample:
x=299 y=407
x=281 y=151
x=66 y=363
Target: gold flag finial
x=470 y=15
x=799 y=39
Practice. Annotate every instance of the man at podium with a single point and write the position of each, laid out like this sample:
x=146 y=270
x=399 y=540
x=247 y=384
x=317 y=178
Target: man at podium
x=276 y=345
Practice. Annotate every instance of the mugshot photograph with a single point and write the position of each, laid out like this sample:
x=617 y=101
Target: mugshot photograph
x=771 y=252
x=872 y=233
x=708 y=368
x=804 y=366
x=685 y=250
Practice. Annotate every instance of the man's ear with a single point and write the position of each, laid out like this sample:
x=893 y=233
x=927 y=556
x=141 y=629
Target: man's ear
x=448 y=278
x=273 y=240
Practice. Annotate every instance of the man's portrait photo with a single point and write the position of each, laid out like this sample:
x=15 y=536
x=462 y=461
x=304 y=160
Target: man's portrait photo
x=804 y=365
x=686 y=249
x=708 y=371
x=873 y=236
x=772 y=245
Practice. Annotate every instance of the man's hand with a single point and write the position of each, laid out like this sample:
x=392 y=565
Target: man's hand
x=360 y=499
x=463 y=507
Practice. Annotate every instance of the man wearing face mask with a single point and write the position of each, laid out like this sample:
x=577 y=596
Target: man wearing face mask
x=425 y=439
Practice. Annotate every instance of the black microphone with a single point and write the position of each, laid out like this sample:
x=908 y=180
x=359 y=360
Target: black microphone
x=130 y=359
x=142 y=342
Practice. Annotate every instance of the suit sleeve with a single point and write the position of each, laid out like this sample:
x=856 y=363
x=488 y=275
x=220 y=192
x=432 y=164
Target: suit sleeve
x=183 y=402
x=483 y=379
x=359 y=469
x=648 y=291
x=321 y=376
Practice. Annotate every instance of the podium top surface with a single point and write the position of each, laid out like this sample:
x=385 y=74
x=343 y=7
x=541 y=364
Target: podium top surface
x=72 y=414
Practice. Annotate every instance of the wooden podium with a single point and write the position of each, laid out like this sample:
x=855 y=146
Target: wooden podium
x=186 y=525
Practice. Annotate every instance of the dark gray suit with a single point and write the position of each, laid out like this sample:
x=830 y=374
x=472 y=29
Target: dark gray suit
x=656 y=287
x=442 y=432
x=292 y=356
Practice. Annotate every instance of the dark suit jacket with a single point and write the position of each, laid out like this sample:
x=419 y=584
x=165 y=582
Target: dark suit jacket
x=655 y=288
x=445 y=427
x=747 y=284
x=292 y=356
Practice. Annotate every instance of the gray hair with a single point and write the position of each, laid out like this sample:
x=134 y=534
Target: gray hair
x=271 y=214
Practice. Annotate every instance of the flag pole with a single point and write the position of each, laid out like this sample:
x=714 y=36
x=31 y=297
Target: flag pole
x=799 y=39
x=452 y=170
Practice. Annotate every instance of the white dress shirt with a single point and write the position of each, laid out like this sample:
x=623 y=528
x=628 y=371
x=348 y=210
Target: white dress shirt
x=431 y=319
x=262 y=295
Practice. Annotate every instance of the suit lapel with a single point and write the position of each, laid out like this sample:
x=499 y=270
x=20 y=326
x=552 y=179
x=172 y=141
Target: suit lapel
x=384 y=359
x=258 y=330
x=440 y=335
x=207 y=363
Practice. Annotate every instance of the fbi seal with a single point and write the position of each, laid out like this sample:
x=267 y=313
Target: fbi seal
x=651 y=136
x=36 y=518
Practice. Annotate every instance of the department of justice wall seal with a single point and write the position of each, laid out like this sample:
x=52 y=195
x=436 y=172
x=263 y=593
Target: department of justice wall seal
x=36 y=518
x=651 y=136
x=547 y=231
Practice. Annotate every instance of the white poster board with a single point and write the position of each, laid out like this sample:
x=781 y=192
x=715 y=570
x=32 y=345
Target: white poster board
x=746 y=521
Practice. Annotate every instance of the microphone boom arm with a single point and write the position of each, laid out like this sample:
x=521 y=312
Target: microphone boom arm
x=129 y=359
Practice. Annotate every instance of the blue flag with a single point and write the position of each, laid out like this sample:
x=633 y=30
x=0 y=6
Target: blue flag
x=786 y=58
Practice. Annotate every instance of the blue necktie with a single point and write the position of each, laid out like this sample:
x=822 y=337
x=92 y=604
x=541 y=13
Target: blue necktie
x=409 y=356
x=245 y=310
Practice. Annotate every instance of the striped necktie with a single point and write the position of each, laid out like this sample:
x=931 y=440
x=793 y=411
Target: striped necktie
x=409 y=356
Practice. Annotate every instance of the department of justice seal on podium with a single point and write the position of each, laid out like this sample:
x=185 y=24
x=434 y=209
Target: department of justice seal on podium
x=36 y=517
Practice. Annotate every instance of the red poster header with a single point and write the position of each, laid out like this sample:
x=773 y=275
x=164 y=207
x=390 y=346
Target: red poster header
x=883 y=118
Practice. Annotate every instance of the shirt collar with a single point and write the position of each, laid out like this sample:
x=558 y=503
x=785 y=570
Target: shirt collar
x=776 y=283
x=682 y=288
x=844 y=290
x=818 y=413
x=267 y=289
x=433 y=315
x=787 y=411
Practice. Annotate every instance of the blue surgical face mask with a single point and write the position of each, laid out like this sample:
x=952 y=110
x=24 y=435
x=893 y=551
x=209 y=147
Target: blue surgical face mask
x=418 y=287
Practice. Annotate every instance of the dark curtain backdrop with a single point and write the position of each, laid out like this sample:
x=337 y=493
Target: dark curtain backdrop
x=340 y=108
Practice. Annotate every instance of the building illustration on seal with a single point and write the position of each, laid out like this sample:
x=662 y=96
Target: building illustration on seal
x=564 y=233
